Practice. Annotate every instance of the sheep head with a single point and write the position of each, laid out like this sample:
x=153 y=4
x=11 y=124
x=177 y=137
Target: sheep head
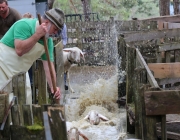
x=94 y=117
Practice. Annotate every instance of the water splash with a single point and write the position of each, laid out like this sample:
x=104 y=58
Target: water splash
x=99 y=95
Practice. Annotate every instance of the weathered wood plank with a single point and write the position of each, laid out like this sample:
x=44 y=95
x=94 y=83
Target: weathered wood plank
x=15 y=114
x=27 y=115
x=150 y=76
x=167 y=18
x=129 y=82
x=59 y=69
x=129 y=77
x=150 y=35
x=177 y=55
x=23 y=133
x=148 y=122
x=48 y=134
x=165 y=70
x=58 y=126
x=19 y=90
x=169 y=47
x=173 y=25
x=42 y=84
x=167 y=81
x=37 y=114
x=2 y=106
x=173 y=130
x=162 y=102
x=170 y=135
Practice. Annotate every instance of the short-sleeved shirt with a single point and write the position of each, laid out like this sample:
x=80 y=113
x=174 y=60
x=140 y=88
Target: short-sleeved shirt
x=24 y=29
x=6 y=23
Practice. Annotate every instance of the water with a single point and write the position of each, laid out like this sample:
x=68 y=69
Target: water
x=98 y=93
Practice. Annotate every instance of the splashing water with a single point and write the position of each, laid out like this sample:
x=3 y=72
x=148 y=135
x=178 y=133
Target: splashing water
x=100 y=95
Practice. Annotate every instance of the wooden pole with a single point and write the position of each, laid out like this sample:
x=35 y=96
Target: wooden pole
x=48 y=58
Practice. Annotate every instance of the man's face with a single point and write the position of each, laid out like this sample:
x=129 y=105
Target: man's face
x=53 y=29
x=3 y=8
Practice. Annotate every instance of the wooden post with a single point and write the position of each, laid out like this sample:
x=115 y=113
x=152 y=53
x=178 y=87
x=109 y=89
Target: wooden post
x=138 y=103
x=19 y=90
x=121 y=63
x=34 y=83
x=48 y=135
x=27 y=115
x=42 y=84
x=58 y=123
x=177 y=55
x=130 y=66
x=15 y=113
x=122 y=53
x=3 y=105
x=163 y=128
x=59 y=65
x=79 y=35
x=149 y=122
x=112 y=47
x=37 y=114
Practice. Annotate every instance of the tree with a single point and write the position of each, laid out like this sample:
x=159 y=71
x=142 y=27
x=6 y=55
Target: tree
x=176 y=6
x=50 y=4
x=86 y=8
x=164 y=7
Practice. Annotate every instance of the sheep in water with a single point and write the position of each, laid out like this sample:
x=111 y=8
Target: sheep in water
x=94 y=117
x=73 y=134
x=71 y=56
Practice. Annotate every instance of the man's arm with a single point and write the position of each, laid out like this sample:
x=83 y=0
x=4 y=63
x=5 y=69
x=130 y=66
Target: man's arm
x=24 y=46
x=49 y=80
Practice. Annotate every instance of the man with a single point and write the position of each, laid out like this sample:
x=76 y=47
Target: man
x=7 y=17
x=22 y=45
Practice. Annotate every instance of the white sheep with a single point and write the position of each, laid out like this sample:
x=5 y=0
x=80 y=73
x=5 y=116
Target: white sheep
x=94 y=117
x=71 y=56
x=74 y=133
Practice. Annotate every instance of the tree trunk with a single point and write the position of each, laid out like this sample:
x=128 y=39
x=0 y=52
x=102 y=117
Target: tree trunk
x=86 y=9
x=176 y=6
x=164 y=7
x=50 y=4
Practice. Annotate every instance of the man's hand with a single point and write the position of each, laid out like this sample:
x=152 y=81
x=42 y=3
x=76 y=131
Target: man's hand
x=41 y=30
x=57 y=94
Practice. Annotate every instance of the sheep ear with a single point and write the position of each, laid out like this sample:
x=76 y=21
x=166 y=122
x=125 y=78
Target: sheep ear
x=103 y=118
x=82 y=55
x=87 y=116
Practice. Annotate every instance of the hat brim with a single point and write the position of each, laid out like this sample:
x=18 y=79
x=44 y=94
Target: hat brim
x=53 y=20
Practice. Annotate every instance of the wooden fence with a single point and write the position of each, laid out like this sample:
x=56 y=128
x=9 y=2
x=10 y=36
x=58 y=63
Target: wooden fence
x=33 y=121
x=96 y=38
x=141 y=44
x=151 y=90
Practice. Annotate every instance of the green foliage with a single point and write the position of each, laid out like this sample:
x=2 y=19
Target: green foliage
x=120 y=9
x=35 y=127
x=38 y=125
x=147 y=9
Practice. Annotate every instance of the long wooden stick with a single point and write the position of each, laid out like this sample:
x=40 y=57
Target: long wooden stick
x=48 y=58
x=7 y=113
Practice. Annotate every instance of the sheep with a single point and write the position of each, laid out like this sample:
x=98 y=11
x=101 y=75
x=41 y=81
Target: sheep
x=71 y=56
x=94 y=117
x=74 y=133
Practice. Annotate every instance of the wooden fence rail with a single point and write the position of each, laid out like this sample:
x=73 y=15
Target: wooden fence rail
x=149 y=61
x=27 y=120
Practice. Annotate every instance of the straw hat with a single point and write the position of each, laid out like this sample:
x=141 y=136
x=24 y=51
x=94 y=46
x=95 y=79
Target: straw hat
x=56 y=16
